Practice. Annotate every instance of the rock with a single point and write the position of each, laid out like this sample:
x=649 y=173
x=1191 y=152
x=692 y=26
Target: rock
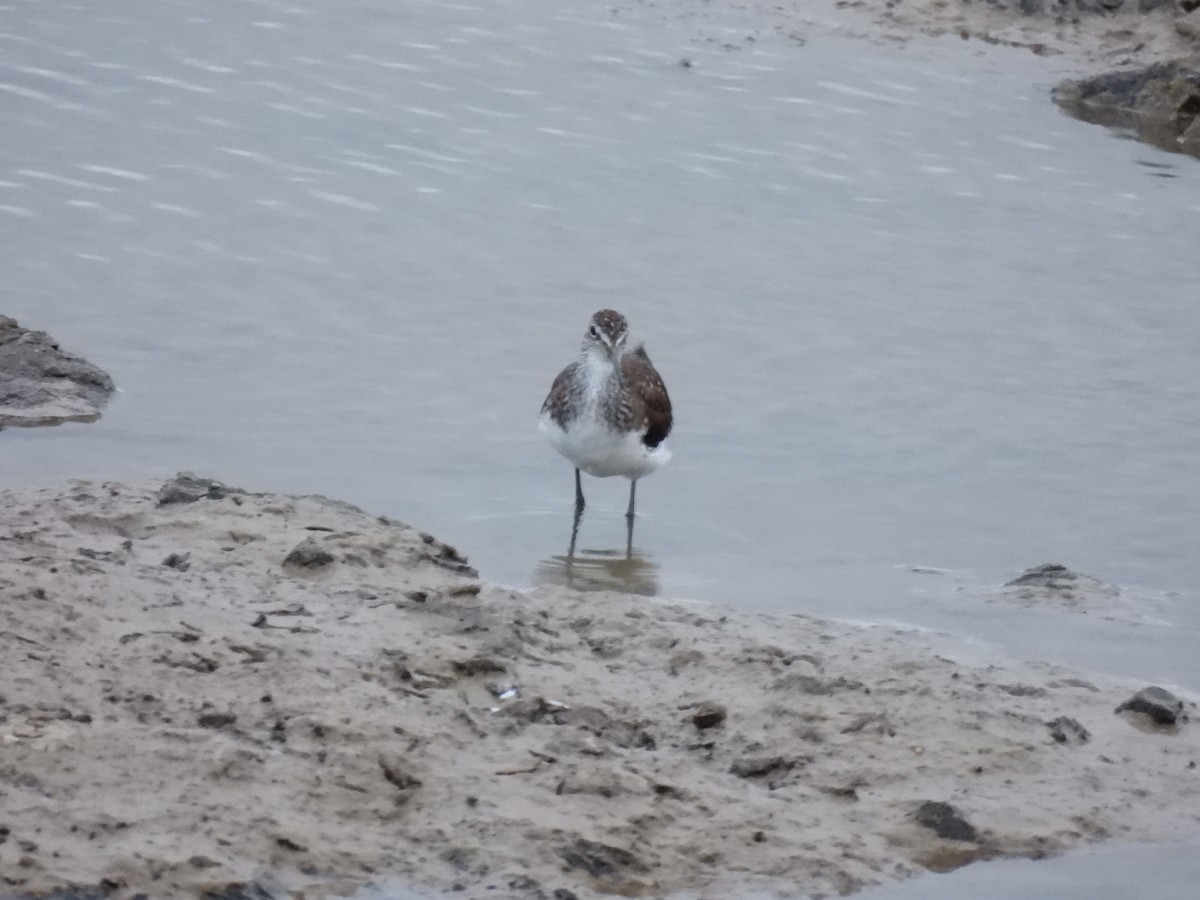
x=602 y=861
x=99 y=892
x=41 y=384
x=944 y=820
x=478 y=665
x=1159 y=705
x=1189 y=141
x=1173 y=97
x=215 y=719
x=1066 y=730
x=188 y=488
x=180 y=561
x=396 y=772
x=446 y=557
x=308 y=557
x=1074 y=8
x=1189 y=25
x=1056 y=585
x=262 y=888
x=1161 y=102
x=759 y=766
x=708 y=715
x=1050 y=575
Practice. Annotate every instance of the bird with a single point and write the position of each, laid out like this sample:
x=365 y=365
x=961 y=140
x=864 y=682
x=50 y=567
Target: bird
x=608 y=412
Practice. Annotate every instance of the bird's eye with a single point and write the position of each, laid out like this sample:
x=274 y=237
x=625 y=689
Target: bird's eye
x=592 y=331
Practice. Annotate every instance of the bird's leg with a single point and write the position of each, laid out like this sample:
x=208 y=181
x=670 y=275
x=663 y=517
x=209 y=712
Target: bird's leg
x=574 y=534
x=632 y=490
x=629 y=537
x=578 y=493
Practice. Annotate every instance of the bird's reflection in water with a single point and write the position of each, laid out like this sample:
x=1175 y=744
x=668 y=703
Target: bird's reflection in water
x=600 y=570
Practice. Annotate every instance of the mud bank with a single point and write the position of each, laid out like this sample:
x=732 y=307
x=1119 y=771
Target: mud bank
x=207 y=687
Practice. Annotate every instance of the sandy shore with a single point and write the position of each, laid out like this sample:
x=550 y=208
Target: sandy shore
x=206 y=687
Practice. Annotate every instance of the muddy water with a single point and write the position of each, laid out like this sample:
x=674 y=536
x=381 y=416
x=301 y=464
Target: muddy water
x=922 y=331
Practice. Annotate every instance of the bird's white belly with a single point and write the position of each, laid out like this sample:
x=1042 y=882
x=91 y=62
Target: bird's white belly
x=598 y=450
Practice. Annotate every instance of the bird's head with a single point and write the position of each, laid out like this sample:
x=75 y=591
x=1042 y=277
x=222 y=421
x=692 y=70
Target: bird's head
x=607 y=333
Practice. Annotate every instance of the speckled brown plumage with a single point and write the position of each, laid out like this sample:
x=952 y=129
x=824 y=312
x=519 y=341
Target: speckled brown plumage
x=558 y=402
x=648 y=400
x=636 y=399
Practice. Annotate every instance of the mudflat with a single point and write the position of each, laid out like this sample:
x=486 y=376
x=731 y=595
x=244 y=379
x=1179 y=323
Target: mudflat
x=212 y=692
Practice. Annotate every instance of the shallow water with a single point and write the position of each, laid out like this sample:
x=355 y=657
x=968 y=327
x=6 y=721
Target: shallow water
x=1105 y=872
x=911 y=316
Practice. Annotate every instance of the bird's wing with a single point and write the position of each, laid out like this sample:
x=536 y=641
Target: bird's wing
x=558 y=401
x=650 y=394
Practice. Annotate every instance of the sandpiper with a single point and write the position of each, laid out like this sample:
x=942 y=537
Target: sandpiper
x=608 y=412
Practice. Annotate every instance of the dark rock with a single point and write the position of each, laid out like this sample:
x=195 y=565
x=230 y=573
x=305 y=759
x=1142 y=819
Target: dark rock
x=1073 y=8
x=1066 y=730
x=708 y=715
x=178 y=561
x=609 y=647
x=1161 y=103
x=99 y=892
x=40 y=384
x=446 y=557
x=1050 y=575
x=188 y=488
x=759 y=766
x=478 y=665
x=944 y=820
x=215 y=719
x=259 y=889
x=308 y=556
x=1159 y=705
x=531 y=886
x=1189 y=25
x=1189 y=141
x=396 y=773
x=600 y=860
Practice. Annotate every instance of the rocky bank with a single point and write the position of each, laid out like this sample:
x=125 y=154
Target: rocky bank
x=42 y=384
x=1138 y=61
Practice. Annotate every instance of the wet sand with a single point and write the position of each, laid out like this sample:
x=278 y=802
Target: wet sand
x=205 y=685
x=1087 y=42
